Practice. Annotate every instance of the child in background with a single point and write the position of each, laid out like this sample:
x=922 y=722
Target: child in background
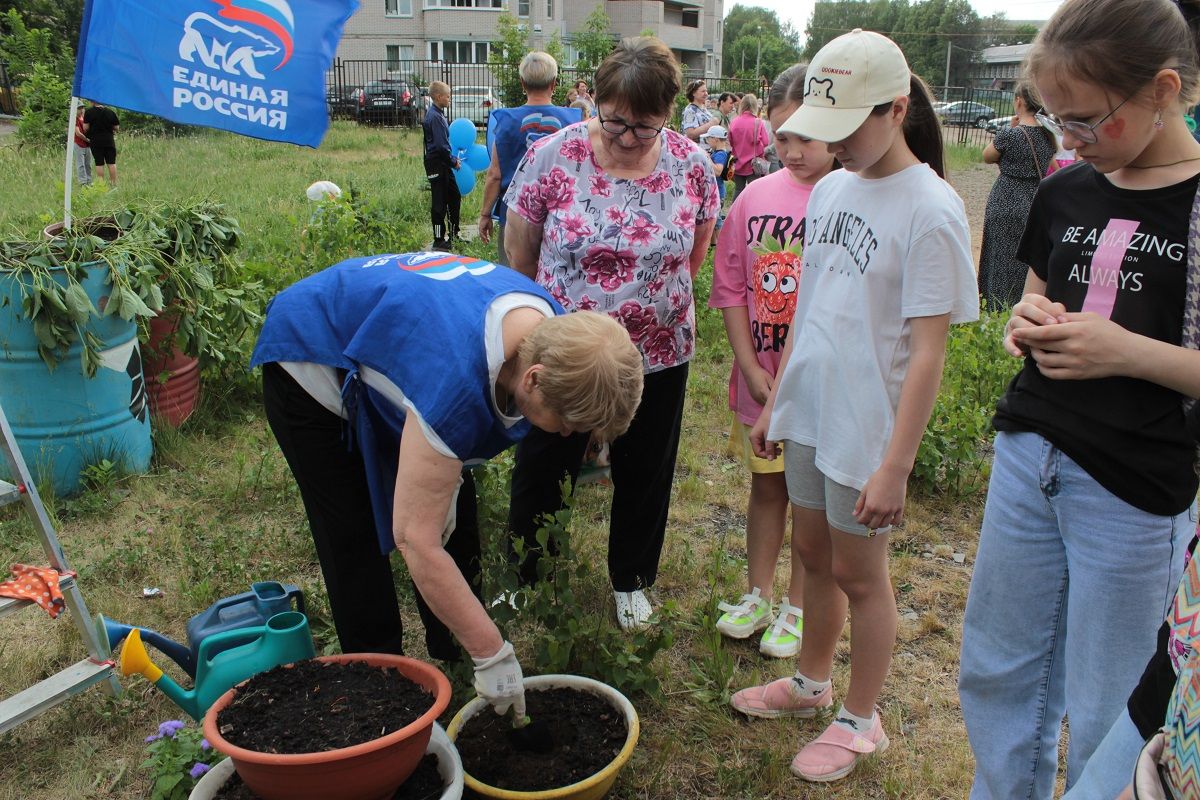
x=887 y=270
x=756 y=274
x=83 y=152
x=1091 y=500
x=716 y=143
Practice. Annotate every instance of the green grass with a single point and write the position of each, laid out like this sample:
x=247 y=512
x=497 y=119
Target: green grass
x=962 y=156
x=219 y=510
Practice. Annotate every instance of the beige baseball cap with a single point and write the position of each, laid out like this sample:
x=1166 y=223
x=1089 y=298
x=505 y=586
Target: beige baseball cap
x=846 y=79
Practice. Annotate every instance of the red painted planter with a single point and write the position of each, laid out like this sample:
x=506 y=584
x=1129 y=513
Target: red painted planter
x=368 y=771
x=172 y=378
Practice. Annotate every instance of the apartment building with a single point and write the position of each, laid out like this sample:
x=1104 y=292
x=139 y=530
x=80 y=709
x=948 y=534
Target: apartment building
x=462 y=31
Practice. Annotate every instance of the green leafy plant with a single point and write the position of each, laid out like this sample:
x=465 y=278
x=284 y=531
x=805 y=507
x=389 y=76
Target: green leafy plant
x=953 y=454
x=44 y=100
x=178 y=756
x=100 y=476
x=176 y=257
x=567 y=637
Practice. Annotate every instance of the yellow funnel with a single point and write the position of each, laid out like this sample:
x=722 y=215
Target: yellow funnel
x=135 y=660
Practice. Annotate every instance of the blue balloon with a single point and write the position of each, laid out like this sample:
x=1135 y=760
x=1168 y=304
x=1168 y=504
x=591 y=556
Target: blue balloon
x=462 y=134
x=465 y=179
x=478 y=158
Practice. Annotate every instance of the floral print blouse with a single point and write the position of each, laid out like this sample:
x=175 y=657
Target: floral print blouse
x=617 y=245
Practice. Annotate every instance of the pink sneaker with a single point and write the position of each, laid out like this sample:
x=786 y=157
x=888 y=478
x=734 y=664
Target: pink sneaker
x=781 y=698
x=835 y=753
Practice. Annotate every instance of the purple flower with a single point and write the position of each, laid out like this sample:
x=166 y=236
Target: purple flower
x=205 y=746
x=198 y=769
x=170 y=728
x=152 y=738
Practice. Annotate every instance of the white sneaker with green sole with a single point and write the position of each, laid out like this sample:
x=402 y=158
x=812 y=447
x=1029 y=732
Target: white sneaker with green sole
x=751 y=614
x=782 y=639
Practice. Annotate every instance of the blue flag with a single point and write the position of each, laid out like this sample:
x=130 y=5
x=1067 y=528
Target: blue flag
x=254 y=67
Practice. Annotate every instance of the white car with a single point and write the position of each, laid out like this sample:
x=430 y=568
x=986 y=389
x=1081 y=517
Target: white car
x=474 y=103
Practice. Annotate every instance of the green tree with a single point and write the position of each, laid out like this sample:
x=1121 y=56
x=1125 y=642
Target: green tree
x=62 y=18
x=755 y=36
x=593 y=41
x=22 y=48
x=926 y=31
x=509 y=47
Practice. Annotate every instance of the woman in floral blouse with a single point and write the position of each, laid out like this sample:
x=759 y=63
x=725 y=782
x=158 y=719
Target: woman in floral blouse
x=614 y=215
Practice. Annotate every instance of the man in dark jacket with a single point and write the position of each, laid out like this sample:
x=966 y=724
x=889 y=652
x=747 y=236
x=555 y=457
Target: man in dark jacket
x=99 y=124
x=439 y=164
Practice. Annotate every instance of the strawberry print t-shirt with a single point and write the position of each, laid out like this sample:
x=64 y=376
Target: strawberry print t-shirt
x=616 y=245
x=758 y=266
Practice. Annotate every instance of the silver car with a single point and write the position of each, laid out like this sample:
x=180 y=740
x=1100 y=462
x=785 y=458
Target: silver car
x=474 y=103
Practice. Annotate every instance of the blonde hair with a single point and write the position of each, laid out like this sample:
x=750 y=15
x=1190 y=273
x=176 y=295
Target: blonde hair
x=749 y=103
x=538 y=70
x=439 y=88
x=592 y=374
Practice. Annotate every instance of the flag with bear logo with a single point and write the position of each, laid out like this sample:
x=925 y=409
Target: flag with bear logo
x=253 y=67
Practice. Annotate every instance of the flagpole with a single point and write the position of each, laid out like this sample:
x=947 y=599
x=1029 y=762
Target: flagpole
x=70 y=157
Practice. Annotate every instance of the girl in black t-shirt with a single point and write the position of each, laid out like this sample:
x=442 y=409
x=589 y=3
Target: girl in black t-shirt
x=1091 y=500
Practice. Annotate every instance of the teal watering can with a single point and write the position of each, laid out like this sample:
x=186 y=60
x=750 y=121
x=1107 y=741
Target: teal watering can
x=283 y=640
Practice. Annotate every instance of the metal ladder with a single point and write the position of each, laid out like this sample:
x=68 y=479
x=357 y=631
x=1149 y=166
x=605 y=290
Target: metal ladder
x=98 y=667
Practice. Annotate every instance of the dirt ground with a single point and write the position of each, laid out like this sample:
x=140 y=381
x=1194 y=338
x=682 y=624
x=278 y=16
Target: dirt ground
x=973 y=185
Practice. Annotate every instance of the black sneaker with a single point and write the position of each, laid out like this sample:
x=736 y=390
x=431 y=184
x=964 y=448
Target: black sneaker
x=440 y=246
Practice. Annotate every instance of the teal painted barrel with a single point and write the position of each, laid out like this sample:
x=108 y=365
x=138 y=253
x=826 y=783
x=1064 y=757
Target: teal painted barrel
x=63 y=420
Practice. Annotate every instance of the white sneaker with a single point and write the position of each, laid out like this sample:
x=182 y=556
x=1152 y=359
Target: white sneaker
x=633 y=609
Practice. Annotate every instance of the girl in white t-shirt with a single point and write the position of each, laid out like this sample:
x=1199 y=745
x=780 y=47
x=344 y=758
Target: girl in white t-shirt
x=887 y=268
x=755 y=276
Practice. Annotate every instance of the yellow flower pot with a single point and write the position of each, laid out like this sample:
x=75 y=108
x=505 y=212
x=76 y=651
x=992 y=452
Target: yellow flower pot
x=592 y=788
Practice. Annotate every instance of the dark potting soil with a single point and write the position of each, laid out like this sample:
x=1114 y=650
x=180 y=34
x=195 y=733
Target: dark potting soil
x=313 y=707
x=586 y=733
x=424 y=784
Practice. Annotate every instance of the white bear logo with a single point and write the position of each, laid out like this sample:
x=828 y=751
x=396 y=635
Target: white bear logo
x=818 y=89
x=223 y=47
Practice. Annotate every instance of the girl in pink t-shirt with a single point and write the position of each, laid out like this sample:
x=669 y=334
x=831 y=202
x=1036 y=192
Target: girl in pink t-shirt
x=755 y=279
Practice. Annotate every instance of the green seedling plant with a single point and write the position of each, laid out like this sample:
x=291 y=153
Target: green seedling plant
x=567 y=637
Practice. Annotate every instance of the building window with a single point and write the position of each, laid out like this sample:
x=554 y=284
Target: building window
x=549 y=9
x=485 y=4
x=400 y=57
x=522 y=8
x=397 y=8
x=691 y=17
x=460 y=52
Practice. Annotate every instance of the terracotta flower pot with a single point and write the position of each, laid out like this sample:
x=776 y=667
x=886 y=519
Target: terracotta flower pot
x=368 y=771
x=591 y=788
x=172 y=378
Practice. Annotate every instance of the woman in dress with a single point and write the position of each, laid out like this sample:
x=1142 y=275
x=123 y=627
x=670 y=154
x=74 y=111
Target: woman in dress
x=1024 y=151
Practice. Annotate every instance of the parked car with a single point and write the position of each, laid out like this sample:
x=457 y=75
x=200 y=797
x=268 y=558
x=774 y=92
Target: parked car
x=386 y=101
x=999 y=124
x=342 y=101
x=965 y=112
x=938 y=108
x=474 y=103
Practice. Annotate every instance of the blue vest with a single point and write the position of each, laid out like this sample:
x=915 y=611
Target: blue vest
x=512 y=130
x=418 y=319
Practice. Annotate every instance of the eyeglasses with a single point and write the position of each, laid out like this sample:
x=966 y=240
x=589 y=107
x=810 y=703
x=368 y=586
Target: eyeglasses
x=616 y=128
x=1080 y=130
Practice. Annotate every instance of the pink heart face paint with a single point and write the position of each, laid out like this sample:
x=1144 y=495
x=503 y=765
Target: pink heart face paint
x=1114 y=128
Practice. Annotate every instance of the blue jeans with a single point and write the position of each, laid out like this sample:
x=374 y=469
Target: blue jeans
x=1053 y=539
x=1110 y=769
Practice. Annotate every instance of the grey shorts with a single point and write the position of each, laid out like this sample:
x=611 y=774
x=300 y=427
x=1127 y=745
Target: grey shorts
x=809 y=488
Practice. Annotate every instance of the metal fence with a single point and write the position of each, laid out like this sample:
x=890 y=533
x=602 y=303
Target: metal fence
x=971 y=116
x=8 y=100
x=353 y=87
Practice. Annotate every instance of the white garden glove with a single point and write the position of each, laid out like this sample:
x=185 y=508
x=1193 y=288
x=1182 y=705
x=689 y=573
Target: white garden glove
x=499 y=681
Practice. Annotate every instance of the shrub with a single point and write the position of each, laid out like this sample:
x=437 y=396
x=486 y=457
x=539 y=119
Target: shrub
x=45 y=103
x=178 y=756
x=953 y=454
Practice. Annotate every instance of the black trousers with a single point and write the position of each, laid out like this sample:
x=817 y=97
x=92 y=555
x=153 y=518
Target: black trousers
x=446 y=200
x=643 y=468
x=333 y=485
